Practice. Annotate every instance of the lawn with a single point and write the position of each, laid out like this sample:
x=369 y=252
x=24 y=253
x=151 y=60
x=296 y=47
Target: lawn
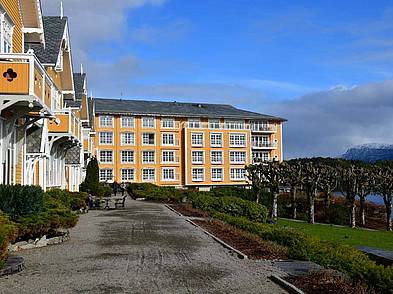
x=346 y=235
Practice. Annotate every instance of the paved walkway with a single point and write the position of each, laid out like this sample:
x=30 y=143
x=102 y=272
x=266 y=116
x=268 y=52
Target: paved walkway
x=144 y=248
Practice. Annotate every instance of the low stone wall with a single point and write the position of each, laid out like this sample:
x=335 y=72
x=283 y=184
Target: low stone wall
x=38 y=243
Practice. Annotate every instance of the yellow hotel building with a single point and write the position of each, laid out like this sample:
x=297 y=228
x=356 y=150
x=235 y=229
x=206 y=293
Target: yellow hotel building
x=181 y=144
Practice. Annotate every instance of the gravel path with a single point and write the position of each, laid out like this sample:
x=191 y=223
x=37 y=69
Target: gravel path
x=145 y=248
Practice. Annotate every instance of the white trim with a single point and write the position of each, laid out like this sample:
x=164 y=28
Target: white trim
x=203 y=157
x=222 y=139
x=168 y=133
x=105 y=150
x=222 y=157
x=127 y=162
x=168 y=162
x=155 y=139
x=121 y=138
x=154 y=122
x=174 y=174
x=149 y=162
x=155 y=174
x=203 y=139
x=204 y=174
x=222 y=174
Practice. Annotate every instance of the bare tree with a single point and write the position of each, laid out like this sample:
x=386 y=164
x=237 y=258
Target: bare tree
x=366 y=181
x=293 y=177
x=312 y=177
x=328 y=183
x=384 y=187
x=349 y=187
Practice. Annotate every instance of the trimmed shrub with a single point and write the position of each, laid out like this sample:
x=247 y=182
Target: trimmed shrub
x=328 y=254
x=17 y=200
x=233 y=206
x=246 y=194
x=72 y=200
x=8 y=233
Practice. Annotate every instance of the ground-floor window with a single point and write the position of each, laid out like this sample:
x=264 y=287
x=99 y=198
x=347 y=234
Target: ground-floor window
x=168 y=174
x=260 y=156
x=198 y=174
x=127 y=174
x=217 y=174
x=238 y=174
x=106 y=174
x=148 y=174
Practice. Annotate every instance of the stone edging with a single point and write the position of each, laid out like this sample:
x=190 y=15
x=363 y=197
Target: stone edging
x=39 y=243
x=286 y=285
x=174 y=210
x=14 y=264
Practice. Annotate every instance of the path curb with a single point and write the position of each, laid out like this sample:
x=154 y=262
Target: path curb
x=286 y=285
x=239 y=253
x=170 y=208
x=14 y=264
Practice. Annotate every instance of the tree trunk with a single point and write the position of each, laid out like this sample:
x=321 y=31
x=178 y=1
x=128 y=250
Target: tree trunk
x=363 y=210
x=353 y=214
x=294 y=203
x=327 y=202
x=311 y=218
x=274 y=207
x=388 y=204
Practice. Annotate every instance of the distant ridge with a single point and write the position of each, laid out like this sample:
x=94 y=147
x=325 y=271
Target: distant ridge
x=371 y=152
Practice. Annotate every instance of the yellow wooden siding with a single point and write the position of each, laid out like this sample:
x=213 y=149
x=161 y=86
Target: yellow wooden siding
x=19 y=168
x=13 y=10
x=62 y=127
x=20 y=84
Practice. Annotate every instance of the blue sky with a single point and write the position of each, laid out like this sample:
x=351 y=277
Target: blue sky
x=267 y=56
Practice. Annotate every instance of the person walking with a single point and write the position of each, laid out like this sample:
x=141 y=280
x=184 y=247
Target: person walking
x=123 y=188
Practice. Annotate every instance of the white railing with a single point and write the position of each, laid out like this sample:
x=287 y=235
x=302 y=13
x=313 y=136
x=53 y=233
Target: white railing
x=221 y=126
x=263 y=144
x=263 y=128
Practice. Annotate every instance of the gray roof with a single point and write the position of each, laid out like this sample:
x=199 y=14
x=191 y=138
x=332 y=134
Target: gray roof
x=79 y=81
x=142 y=107
x=72 y=103
x=54 y=27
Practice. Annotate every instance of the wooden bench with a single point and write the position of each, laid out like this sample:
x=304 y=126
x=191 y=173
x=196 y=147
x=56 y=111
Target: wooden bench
x=120 y=202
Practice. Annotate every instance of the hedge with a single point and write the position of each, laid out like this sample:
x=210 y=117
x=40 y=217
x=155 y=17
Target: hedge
x=328 y=254
x=73 y=200
x=17 y=200
x=8 y=233
x=233 y=206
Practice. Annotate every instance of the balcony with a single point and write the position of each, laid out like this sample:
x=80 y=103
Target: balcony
x=263 y=129
x=214 y=126
x=26 y=83
x=263 y=145
x=66 y=124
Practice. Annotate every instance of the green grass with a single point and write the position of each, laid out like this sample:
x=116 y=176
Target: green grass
x=346 y=235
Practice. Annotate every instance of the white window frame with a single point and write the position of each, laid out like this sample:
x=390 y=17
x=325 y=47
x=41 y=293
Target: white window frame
x=214 y=123
x=146 y=159
x=232 y=142
x=221 y=140
x=168 y=151
x=234 y=157
x=101 y=157
x=148 y=144
x=234 y=124
x=123 y=179
x=146 y=122
x=164 y=169
x=106 y=178
x=148 y=178
x=234 y=170
x=104 y=119
x=123 y=138
x=211 y=156
x=213 y=179
x=165 y=121
x=198 y=179
x=262 y=158
x=194 y=123
x=127 y=122
x=202 y=139
x=100 y=136
x=168 y=144
x=197 y=161
x=6 y=29
x=127 y=156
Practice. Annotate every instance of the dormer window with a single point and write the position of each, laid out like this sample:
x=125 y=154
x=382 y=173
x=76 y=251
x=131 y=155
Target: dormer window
x=6 y=30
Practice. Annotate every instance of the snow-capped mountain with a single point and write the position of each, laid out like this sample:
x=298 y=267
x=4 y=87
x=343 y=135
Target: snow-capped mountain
x=370 y=152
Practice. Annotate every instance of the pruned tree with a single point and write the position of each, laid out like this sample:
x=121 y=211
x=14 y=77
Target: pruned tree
x=384 y=187
x=312 y=178
x=293 y=177
x=349 y=188
x=328 y=184
x=366 y=183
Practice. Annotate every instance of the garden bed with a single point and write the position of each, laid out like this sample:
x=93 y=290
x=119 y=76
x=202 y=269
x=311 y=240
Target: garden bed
x=324 y=282
x=248 y=244
x=186 y=209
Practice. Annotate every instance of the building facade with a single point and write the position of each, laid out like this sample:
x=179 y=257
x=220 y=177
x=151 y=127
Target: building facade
x=181 y=144
x=45 y=132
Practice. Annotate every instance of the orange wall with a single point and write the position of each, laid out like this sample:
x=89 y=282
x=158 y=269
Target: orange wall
x=13 y=10
x=20 y=84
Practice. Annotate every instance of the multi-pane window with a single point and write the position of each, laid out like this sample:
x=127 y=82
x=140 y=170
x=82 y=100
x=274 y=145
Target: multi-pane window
x=106 y=156
x=235 y=124
x=168 y=123
x=216 y=139
x=216 y=157
x=237 y=156
x=194 y=123
x=214 y=123
x=148 y=122
x=260 y=141
x=260 y=156
x=127 y=156
x=198 y=174
x=127 y=139
x=127 y=174
x=197 y=156
x=168 y=156
x=106 y=121
x=127 y=122
x=197 y=139
x=148 y=139
x=237 y=140
x=260 y=125
x=168 y=139
x=106 y=138
x=106 y=174
x=148 y=156
x=217 y=174
x=238 y=174
x=148 y=174
x=168 y=174
x=6 y=34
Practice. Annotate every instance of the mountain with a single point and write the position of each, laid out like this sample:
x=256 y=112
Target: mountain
x=370 y=152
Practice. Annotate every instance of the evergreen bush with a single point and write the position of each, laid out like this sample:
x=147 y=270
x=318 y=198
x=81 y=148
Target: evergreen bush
x=18 y=200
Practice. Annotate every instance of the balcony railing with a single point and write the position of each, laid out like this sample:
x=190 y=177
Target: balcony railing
x=263 y=128
x=23 y=74
x=263 y=144
x=66 y=123
x=213 y=126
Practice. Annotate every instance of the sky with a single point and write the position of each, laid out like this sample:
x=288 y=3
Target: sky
x=326 y=66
